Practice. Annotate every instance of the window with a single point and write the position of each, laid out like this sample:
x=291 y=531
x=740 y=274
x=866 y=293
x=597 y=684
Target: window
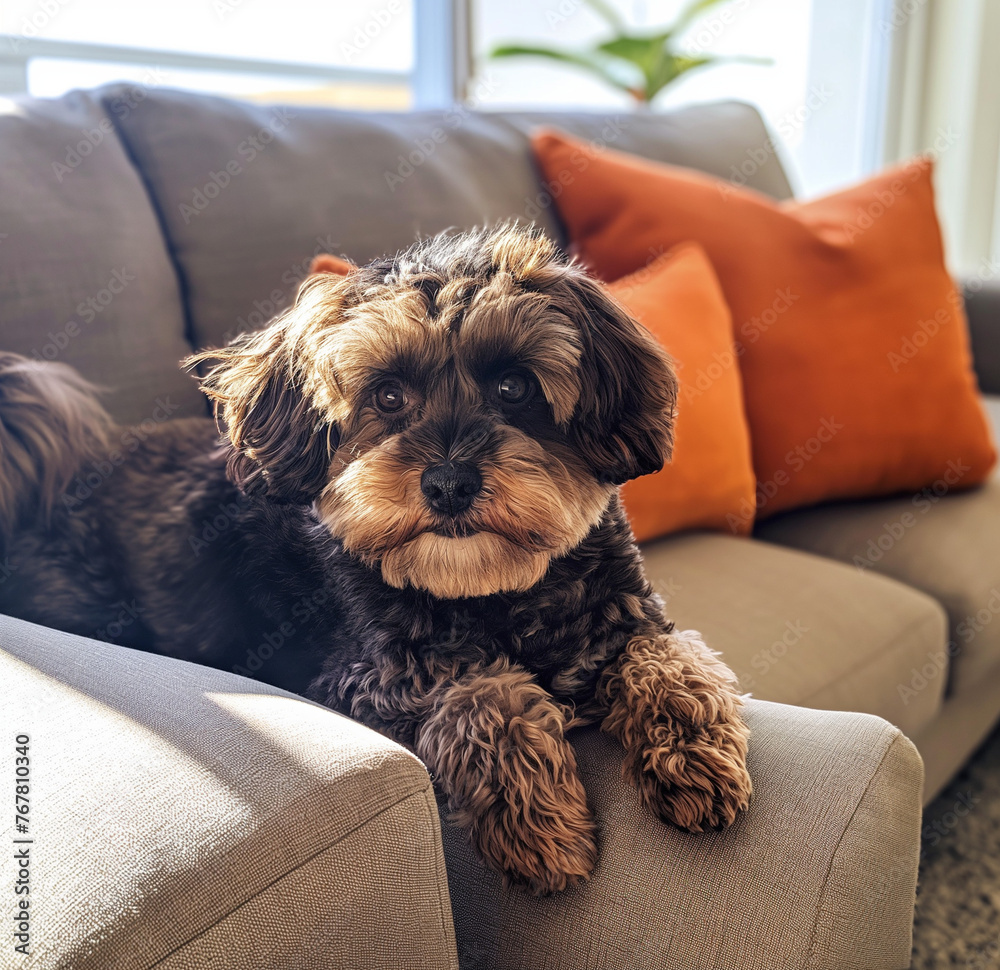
x=819 y=94
x=359 y=54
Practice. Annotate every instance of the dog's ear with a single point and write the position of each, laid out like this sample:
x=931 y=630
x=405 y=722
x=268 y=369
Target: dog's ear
x=280 y=443
x=624 y=421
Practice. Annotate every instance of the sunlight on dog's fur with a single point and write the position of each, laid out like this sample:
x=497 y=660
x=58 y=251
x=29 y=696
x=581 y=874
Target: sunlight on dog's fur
x=420 y=478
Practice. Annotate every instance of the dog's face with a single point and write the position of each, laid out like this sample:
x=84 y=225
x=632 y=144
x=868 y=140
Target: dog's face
x=460 y=415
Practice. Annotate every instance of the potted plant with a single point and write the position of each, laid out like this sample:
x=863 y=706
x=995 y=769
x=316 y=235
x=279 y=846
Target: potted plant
x=638 y=62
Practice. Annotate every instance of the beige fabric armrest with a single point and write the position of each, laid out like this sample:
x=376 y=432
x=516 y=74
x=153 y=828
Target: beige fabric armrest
x=820 y=873
x=188 y=818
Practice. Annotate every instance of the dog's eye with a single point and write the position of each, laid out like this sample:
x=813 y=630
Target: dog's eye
x=390 y=397
x=516 y=388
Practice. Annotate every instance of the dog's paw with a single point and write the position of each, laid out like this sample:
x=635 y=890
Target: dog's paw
x=543 y=853
x=698 y=780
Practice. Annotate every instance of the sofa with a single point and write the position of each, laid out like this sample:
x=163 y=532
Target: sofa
x=185 y=817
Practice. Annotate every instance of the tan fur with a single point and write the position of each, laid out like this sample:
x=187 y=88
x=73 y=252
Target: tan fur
x=497 y=745
x=532 y=508
x=675 y=708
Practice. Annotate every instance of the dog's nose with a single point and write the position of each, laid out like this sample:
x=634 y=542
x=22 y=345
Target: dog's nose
x=451 y=486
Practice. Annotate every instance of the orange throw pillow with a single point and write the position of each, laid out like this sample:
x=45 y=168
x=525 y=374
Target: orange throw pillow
x=850 y=334
x=710 y=478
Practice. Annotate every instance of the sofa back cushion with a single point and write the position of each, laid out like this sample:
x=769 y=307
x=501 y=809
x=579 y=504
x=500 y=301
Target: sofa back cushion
x=84 y=273
x=247 y=194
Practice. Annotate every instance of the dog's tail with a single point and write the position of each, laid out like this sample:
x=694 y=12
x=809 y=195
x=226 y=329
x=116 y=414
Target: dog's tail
x=51 y=421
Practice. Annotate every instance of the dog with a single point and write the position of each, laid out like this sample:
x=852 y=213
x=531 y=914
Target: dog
x=418 y=487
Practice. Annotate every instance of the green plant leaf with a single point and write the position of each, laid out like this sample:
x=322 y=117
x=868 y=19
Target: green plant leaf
x=632 y=47
x=640 y=64
x=579 y=59
x=648 y=54
x=676 y=65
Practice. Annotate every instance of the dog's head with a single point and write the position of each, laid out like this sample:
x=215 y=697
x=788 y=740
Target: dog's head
x=460 y=415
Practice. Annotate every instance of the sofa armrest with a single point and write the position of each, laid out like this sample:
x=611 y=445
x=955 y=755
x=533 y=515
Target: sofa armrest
x=183 y=817
x=982 y=306
x=819 y=873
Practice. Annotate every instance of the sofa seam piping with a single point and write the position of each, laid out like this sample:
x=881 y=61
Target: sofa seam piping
x=811 y=953
x=441 y=871
x=166 y=237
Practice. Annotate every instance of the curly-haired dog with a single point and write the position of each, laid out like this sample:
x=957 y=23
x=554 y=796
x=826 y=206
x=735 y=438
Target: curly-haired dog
x=418 y=504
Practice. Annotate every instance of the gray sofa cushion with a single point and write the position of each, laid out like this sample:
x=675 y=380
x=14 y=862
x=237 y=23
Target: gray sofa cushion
x=84 y=273
x=800 y=629
x=947 y=545
x=247 y=194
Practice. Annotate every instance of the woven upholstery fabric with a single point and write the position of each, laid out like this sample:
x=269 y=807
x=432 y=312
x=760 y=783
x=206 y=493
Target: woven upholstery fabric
x=801 y=629
x=84 y=276
x=947 y=545
x=183 y=813
x=819 y=873
x=248 y=193
x=295 y=925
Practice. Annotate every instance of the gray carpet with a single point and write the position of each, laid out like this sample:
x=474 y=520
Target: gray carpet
x=958 y=898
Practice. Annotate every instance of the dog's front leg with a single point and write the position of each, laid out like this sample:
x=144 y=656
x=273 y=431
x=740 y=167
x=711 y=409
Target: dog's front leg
x=494 y=742
x=676 y=710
